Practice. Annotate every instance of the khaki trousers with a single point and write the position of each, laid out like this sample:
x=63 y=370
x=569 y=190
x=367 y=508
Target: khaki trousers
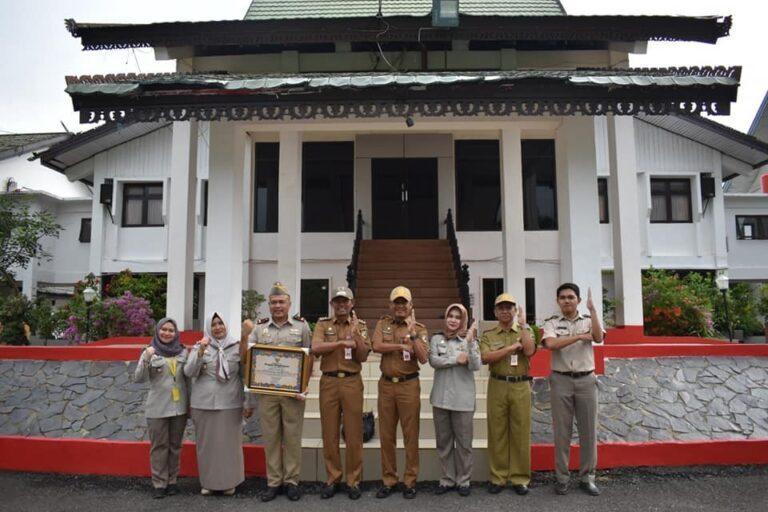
x=509 y=432
x=165 y=437
x=282 y=420
x=577 y=397
x=399 y=402
x=342 y=399
x=453 y=430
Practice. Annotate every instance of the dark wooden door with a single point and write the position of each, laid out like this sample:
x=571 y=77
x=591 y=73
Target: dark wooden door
x=404 y=197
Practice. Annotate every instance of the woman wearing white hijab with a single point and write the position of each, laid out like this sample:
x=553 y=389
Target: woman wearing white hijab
x=216 y=407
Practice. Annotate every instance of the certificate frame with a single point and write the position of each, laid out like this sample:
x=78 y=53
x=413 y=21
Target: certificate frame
x=294 y=361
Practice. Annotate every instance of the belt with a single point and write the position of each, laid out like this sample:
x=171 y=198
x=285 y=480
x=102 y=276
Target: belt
x=575 y=375
x=401 y=379
x=512 y=378
x=340 y=375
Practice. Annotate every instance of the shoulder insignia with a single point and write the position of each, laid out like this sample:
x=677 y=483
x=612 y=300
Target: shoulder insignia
x=361 y=322
x=420 y=324
x=486 y=331
x=298 y=317
x=587 y=315
x=325 y=319
x=553 y=317
x=386 y=317
x=262 y=321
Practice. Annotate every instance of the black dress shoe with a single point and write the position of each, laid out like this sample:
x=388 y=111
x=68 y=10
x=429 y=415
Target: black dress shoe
x=384 y=491
x=409 y=492
x=354 y=493
x=293 y=492
x=329 y=491
x=464 y=491
x=442 y=489
x=158 y=493
x=172 y=490
x=520 y=489
x=494 y=488
x=561 y=488
x=270 y=494
x=589 y=488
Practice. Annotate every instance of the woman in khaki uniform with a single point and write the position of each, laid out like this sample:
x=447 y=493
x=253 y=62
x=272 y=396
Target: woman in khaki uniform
x=162 y=363
x=216 y=408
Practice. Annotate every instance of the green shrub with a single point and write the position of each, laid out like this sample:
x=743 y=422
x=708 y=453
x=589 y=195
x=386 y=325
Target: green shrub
x=15 y=312
x=743 y=310
x=250 y=305
x=147 y=286
x=675 y=306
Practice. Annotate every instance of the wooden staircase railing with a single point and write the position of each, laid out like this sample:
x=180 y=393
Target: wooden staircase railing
x=462 y=271
x=352 y=267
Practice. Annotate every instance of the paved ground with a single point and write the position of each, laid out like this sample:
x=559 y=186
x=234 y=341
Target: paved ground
x=651 y=489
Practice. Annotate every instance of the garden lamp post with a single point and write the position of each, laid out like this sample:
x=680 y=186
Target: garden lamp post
x=89 y=295
x=722 y=284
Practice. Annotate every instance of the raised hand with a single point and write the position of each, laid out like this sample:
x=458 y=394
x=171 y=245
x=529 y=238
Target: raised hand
x=149 y=352
x=590 y=302
x=461 y=358
x=472 y=331
x=520 y=315
x=203 y=345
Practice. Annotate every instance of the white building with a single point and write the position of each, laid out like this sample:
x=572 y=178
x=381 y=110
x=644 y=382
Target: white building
x=232 y=180
x=70 y=202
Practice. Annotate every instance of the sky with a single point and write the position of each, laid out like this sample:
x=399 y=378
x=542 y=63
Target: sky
x=39 y=52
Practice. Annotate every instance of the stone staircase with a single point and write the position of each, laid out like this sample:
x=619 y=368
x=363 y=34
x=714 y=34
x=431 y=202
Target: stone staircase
x=313 y=465
x=424 y=266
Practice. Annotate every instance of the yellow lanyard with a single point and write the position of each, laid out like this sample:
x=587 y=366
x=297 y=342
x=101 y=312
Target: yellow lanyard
x=175 y=391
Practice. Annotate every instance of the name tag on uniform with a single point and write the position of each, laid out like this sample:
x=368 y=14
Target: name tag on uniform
x=265 y=331
x=406 y=355
x=512 y=359
x=347 y=353
x=175 y=394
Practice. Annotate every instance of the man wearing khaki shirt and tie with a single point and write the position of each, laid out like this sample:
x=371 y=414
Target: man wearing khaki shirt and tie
x=573 y=384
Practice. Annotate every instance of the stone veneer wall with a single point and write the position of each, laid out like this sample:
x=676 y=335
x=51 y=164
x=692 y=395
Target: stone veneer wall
x=671 y=398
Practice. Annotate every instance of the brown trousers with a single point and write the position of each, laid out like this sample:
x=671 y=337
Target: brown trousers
x=165 y=437
x=342 y=396
x=282 y=421
x=399 y=402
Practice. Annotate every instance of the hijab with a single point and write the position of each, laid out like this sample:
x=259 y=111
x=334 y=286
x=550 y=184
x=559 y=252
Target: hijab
x=220 y=345
x=171 y=349
x=462 y=330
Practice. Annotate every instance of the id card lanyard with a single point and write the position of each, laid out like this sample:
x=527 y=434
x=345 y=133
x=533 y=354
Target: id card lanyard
x=173 y=368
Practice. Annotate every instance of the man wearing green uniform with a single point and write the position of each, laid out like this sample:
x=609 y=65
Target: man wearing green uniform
x=507 y=349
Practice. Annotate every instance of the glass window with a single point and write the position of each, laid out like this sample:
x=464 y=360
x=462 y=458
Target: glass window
x=670 y=200
x=539 y=185
x=530 y=300
x=142 y=204
x=204 y=206
x=265 y=205
x=85 y=231
x=314 y=299
x=478 y=185
x=327 y=187
x=492 y=287
x=752 y=227
x=602 y=198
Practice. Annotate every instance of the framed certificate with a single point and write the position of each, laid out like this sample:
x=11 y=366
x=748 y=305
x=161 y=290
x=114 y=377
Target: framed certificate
x=275 y=370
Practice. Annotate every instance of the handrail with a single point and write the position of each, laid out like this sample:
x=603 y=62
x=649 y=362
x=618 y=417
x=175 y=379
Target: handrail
x=461 y=271
x=352 y=267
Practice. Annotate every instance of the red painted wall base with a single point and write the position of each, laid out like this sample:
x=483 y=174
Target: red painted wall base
x=131 y=458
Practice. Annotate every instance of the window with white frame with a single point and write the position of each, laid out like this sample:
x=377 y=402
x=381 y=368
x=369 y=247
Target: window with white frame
x=752 y=227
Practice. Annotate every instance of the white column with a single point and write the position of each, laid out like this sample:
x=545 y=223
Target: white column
x=181 y=222
x=625 y=221
x=719 y=233
x=577 y=205
x=512 y=229
x=224 y=244
x=97 y=227
x=289 y=221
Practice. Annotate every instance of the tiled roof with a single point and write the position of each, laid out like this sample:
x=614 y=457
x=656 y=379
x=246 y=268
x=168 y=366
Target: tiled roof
x=132 y=84
x=19 y=143
x=282 y=9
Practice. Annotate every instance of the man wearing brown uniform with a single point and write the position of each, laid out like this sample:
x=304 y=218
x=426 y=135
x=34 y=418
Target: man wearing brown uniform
x=342 y=342
x=402 y=343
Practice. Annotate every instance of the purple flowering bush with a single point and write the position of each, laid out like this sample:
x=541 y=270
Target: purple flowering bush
x=126 y=315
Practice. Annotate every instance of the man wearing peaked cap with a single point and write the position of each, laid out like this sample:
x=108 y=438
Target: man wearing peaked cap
x=402 y=343
x=507 y=349
x=281 y=417
x=342 y=343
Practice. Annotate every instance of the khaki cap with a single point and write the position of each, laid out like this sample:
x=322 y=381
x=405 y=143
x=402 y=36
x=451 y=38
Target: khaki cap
x=342 y=291
x=400 y=292
x=504 y=297
x=278 y=289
